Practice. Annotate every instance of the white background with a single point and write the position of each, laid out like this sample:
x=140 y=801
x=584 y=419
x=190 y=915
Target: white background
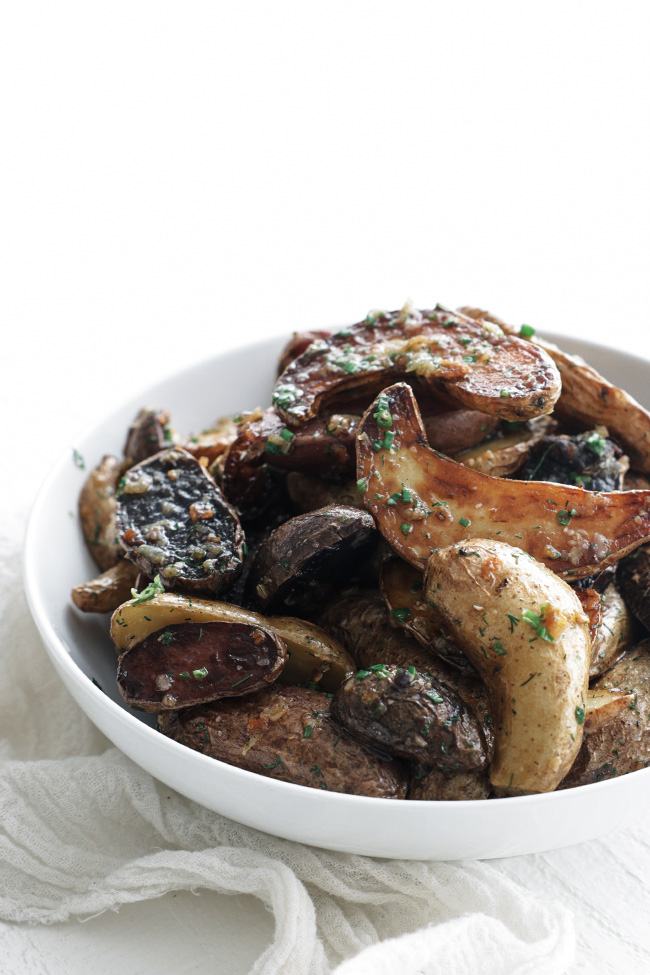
x=180 y=178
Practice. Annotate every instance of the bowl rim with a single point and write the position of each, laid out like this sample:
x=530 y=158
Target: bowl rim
x=60 y=654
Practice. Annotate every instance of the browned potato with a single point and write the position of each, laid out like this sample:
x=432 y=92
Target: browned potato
x=621 y=745
x=464 y=359
x=105 y=592
x=411 y=715
x=301 y=559
x=615 y=635
x=591 y=602
x=193 y=663
x=523 y=629
x=97 y=507
x=402 y=589
x=436 y=784
x=313 y=656
x=589 y=398
x=573 y=531
x=287 y=733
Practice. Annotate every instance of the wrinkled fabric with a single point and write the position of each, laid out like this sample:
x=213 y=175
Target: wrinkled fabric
x=84 y=830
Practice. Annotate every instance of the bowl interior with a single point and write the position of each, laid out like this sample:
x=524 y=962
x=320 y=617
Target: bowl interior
x=80 y=648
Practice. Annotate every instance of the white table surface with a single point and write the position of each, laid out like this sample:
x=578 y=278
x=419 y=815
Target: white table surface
x=181 y=178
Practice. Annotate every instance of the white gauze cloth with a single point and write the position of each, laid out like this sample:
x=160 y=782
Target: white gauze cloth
x=83 y=829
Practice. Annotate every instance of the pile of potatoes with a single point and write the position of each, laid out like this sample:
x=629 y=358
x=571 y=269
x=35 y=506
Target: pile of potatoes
x=421 y=573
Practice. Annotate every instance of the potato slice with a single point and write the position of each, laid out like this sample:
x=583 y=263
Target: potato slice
x=524 y=630
x=449 y=352
x=313 y=655
x=422 y=500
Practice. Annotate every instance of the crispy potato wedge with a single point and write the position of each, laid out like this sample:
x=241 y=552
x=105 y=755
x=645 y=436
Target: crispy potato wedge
x=422 y=500
x=313 y=655
x=504 y=455
x=589 y=398
x=465 y=359
x=105 y=592
x=523 y=629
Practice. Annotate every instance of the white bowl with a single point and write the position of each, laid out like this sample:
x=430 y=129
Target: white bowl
x=81 y=651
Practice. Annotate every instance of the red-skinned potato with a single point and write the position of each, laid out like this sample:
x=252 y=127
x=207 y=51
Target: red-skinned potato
x=313 y=655
x=451 y=353
x=423 y=501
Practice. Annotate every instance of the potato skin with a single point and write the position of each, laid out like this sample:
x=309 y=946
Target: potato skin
x=358 y=618
x=97 y=509
x=449 y=352
x=633 y=581
x=615 y=634
x=303 y=557
x=536 y=674
x=192 y=663
x=412 y=716
x=422 y=500
x=436 y=785
x=105 y=592
x=622 y=745
x=287 y=733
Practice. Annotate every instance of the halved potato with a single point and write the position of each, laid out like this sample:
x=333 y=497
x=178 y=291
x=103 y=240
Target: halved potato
x=313 y=655
x=523 y=629
x=589 y=398
x=97 y=510
x=470 y=362
x=423 y=501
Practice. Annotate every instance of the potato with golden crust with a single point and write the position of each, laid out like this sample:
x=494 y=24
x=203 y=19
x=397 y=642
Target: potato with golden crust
x=287 y=733
x=451 y=353
x=523 y=629
x=587 y=397
x=422 y=500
